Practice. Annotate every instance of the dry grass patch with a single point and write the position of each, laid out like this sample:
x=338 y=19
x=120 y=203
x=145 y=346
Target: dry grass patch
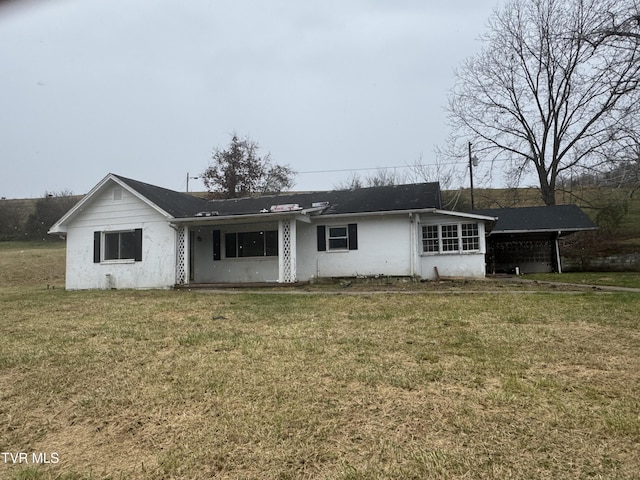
x=26 y=264
x=188 y=385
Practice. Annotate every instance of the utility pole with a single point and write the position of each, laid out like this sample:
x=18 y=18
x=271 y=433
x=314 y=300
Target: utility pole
x=471 y=175
x=190 y=178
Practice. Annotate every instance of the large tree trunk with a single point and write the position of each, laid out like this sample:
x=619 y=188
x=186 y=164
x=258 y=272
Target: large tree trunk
x=547 y=187
x=547 y=193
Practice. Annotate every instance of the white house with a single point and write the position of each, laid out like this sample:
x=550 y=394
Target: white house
x=129 y=234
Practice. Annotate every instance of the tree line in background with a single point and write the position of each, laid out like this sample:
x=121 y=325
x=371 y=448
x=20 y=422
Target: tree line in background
x=606 y=193
x=29 y=220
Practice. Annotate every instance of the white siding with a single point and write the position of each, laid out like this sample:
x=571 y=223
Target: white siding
x=388 y=245
x=465 y=264
x=384 y=248
x=103 y=213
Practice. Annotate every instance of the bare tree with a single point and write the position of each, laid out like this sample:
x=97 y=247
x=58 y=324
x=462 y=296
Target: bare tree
x=385 y=177
x=414 y=172
x=352 y=182
x=382 y=177
x=239 y=171
x=549 y=90
x=623 y=22
x=440 y=172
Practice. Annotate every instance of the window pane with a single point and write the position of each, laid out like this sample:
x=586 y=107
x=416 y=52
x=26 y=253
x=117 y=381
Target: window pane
x=337 y=244
x=251 y=244
x=470 y=229
x=127 y=245
x=271 y=241
x=430 y=238
x=111 y=246
x=470 y=244
x=230 y=245
x=337 y=232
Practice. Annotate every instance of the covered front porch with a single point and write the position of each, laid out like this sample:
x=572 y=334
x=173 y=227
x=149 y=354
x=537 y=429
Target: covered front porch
x=230 y=251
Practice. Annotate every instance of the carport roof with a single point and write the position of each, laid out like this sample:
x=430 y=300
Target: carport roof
x=551 y=218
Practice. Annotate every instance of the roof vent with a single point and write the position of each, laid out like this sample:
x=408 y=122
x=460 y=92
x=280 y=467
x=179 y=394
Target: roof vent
x=207 y=214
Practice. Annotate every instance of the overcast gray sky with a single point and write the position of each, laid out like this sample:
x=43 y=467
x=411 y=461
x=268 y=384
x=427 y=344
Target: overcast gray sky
x=147 y=88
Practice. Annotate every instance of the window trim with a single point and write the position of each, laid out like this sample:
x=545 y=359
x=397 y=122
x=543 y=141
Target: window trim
x=462 y=240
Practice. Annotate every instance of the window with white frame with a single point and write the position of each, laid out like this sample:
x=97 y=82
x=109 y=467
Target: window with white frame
x=338 y=238
x=430 y=239
x=470 y=236
x=451 y=238
x=120 y=245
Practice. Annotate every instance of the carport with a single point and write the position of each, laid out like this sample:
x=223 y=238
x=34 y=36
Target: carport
x=525 y=239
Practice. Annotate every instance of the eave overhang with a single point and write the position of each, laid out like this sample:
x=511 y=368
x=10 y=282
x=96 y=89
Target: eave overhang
x=302 y=215
x=305 y=215
x=60 y=227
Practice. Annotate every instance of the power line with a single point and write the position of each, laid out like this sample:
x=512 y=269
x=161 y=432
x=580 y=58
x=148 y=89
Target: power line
x=460 y=163
x=360 y=169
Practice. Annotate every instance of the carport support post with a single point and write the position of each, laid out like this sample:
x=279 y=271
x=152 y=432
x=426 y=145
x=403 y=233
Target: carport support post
x=556 y=246
x=287 y=269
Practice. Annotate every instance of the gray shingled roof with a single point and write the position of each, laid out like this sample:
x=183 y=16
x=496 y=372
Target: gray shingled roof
x=552 y=218
x=363 y=200
x=176 y=204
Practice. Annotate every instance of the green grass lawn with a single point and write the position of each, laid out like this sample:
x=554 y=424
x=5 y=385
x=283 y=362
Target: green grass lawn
x=182 y=385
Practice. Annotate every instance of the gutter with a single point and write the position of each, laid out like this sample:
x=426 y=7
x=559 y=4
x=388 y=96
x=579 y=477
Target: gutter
x=414 y=211
x=306 y=214
x=241 y=218
x=543 y=230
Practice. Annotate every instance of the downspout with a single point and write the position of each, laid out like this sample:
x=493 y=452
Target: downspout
x=414 y=220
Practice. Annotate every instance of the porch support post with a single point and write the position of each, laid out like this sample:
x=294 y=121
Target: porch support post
x=287 y=268
x=182 y=255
